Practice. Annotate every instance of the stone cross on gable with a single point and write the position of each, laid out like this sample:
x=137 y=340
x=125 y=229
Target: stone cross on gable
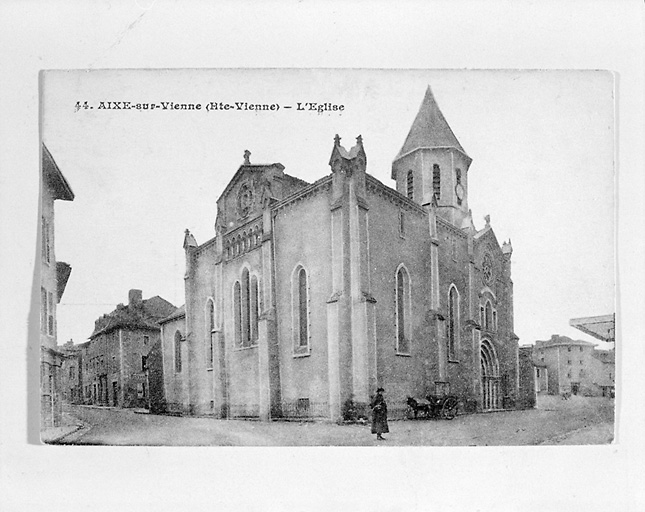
x=247 y=157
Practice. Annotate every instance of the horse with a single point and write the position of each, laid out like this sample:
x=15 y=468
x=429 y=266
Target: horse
x=417 y=406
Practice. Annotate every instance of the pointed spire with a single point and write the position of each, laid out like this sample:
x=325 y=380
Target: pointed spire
x=429 y=129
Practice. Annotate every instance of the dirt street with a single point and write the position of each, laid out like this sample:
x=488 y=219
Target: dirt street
x=578 y=420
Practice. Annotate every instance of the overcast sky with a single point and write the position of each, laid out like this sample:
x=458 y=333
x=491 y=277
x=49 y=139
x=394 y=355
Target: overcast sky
x=542 y=145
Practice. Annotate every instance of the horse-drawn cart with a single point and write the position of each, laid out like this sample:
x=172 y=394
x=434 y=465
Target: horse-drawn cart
x=440 y=404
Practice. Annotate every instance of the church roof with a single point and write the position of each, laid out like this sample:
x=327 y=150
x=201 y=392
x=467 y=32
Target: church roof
x=429 y=129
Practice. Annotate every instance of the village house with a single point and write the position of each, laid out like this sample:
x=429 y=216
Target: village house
x=53 y=279
x=312 y=295
x=71 y=372
x=116 y=359
x=571 y=366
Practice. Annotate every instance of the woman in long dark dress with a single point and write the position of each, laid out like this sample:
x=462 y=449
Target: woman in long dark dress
x=379 y=415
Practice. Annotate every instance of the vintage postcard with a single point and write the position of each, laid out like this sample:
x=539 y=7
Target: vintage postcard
x=282 y=257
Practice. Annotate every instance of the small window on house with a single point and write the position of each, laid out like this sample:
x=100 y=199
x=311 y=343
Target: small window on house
x=50 y=313
x=401 y=224
x=177 y=352
x=146 y=340
x=43 y=310
x=538 y=372
x=410 y=185
x=580 y=349
x=568 y=361
x=568 y=349
x=44 y=227
x=436 y=181
x=144 y=363
x=458 y=180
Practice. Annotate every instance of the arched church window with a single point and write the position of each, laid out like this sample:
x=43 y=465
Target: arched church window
x=302 y=308
x=177 y=352
x=237 y=311
x=436 y=181
x=210 y=334
x=300 y=302
x=410 y=185
x=453 y=322
x=246 y=310
x=488 y=322
x=402 y=311
x=254 y=310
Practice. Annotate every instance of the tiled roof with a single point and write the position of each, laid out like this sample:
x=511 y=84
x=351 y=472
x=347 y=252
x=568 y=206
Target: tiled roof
x=177 y=313
x=145 y=314
x=429 y=129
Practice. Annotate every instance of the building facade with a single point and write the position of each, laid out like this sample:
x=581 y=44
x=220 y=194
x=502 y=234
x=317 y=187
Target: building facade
x=53 y=279
x=573 y=366
x=115 y=362
x=71 y=372
x=312 y=295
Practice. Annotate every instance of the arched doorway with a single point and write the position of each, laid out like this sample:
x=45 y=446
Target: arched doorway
x=491 y=393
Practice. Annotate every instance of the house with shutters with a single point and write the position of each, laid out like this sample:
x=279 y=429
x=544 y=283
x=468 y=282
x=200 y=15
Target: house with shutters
x=53 y=280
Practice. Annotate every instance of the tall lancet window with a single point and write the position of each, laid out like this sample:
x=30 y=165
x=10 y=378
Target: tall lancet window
x=210 y=334
x=436 y=180
x=177 y=352
x=246 y=310
x=402 y=312
x=453 y=323
x=410 y=184
x=302 y=308
x=300 y=311
x=254 y=310
x=237 y=308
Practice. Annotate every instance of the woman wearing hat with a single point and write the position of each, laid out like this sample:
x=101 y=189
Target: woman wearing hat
x=379 y=415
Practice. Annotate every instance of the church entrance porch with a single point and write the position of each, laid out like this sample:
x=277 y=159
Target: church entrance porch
x=491 y=395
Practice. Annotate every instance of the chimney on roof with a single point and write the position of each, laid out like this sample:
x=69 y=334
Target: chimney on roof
x=134 y=296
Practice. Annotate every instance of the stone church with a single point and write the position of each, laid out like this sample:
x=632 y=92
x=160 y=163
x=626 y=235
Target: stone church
x=312 y=295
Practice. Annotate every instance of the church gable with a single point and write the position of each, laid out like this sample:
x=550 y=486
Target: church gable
x=253 y=187
x=489 y=257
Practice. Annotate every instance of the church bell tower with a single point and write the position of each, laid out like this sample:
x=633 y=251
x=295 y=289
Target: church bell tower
x=432 y=162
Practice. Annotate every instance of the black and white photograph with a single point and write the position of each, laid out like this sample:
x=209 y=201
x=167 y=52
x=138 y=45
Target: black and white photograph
x=299 y=256
x=328 y=257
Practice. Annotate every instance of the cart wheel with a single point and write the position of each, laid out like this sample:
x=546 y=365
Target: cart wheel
x=449 y=409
